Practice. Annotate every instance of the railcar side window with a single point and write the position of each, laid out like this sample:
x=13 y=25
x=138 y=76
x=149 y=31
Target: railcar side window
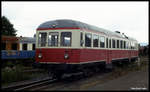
x=106 y=42
x=136 y=45
x=53 y=39
x=102 y=41
x=81 y=39
x=127 y=45
x=109 y=43
x=121 y=44
x=42 y=39
x=117 y=43
x=113 y=43
x=3 y=46
x=33 y=46
x=88 y=40
x=124 y=44
x=95 y=40
x=24 y=46
x=66 y=38
x=132 y=45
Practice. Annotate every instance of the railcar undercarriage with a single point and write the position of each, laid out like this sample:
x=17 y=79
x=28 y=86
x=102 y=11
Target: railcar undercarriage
x=58 y=70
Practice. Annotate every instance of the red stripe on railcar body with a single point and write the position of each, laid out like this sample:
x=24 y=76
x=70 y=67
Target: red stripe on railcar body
x=56 y=55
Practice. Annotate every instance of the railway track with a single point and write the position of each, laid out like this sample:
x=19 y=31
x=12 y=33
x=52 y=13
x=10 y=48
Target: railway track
x=27 y=85
x=31 y=85
x=41 y=84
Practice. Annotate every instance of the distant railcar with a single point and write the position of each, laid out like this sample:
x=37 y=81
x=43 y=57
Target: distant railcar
x=66 y=46
x=17 y=48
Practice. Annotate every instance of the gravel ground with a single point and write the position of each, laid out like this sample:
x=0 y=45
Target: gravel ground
x=133 y=81
x=137 y=80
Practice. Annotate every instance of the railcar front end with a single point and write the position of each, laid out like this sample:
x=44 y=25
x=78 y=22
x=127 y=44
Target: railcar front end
x=57 y=50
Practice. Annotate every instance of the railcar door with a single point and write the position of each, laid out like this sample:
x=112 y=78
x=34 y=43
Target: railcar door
x=109 y=53
x=109 y=56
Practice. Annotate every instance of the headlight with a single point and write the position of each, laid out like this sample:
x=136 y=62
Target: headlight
x=66 y=56
x=40 y=55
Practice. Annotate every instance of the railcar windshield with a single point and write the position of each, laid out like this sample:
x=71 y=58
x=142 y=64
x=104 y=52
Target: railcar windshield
x=42 y=39
x=53 y=39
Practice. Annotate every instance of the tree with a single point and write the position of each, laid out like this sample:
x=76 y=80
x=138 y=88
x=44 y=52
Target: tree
x=7 y=27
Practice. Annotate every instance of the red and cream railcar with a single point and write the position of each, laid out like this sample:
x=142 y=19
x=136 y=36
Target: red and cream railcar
x=65 y=46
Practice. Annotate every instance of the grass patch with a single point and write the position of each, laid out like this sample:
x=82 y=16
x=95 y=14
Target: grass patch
x=15 y=74
x=133 y=66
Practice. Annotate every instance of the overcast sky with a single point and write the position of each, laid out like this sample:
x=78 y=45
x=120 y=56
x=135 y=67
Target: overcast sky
x=130 y=18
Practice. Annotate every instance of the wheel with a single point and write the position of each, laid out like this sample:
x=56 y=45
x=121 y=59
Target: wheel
x=87 y=72
x=51 y=75
x=58 y=76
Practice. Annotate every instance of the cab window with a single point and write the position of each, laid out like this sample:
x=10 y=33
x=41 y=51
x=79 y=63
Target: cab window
x=66 y=38
x=53 y=39
x=42 y=39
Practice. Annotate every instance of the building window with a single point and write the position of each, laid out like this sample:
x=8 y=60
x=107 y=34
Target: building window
x=33 y=46
x=109 y=43
x=113 y=43
x=117 y=43
x=106 y=42
x=88 y=40
x=95 y=40
x=14 y=46
x=66 y=38
x=3 y=46
x=81 y=39
x=24 y=46
x=42 y=39
x=102 y=41
x=53 y=39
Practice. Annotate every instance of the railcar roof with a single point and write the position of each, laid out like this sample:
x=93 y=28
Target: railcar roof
x=27 y=40
x=66 y=23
